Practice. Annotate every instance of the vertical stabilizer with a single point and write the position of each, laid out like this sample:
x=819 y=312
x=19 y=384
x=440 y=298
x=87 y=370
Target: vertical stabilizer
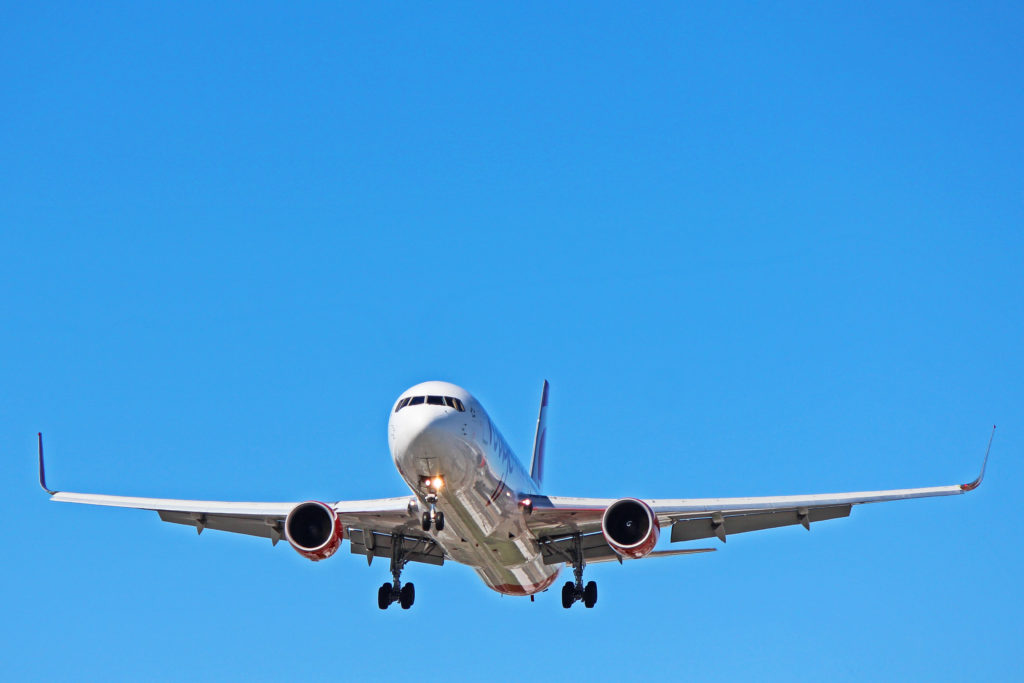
x=537 y=462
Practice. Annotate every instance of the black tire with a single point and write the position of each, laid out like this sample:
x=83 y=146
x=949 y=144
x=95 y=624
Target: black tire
x=425 y=521
x=568 y=594
x=439 y=521
x=384 y=596
x=590 y=595
x=407 y=596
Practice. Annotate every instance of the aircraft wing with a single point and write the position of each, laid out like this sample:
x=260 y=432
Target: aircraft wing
x=254 y=519
x=554 y=518
x=383 y=519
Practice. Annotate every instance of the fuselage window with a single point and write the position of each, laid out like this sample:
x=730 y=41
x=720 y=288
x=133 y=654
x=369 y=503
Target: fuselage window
x=435 y=400
x=415 y=400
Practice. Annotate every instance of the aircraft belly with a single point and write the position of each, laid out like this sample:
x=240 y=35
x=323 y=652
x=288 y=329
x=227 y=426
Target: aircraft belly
x=483 y=483
x=488 y=532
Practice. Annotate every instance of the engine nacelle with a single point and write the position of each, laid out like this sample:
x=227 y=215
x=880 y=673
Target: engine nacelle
x=314 y=530
x=630 y=527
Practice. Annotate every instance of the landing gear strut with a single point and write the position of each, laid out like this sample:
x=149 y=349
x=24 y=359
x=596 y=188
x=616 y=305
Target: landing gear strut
x=576 y=591
x=395 y=591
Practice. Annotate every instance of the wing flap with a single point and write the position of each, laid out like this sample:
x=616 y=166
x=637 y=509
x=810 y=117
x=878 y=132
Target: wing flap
x=596 y=549
x=725 y=524
x=559 y=550
x=375 y=544
x=676 y=552
x=251 y=525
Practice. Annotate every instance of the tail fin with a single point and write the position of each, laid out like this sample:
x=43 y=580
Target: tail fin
x=537 y=463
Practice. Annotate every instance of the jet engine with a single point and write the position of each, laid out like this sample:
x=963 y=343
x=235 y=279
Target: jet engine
x=314 y=530
x=630 y=527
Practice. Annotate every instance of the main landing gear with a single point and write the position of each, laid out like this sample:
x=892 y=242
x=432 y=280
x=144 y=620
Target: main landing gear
x=395 y=591
x=572 y=592
x=404 y=596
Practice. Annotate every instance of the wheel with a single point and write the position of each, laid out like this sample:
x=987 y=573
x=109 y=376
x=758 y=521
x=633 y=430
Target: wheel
x=568 y=594
x=384 y=596
x=590 y=595
x=425 y=521
x=407 y=596
x=439 y=521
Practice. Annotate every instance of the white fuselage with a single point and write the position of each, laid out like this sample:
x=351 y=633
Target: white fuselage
x=483 y=486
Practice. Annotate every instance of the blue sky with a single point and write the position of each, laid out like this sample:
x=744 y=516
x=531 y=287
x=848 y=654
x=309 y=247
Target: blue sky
x=756 y=250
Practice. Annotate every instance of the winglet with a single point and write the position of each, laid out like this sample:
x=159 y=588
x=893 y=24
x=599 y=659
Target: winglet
x=977 y=482
x=537 y=462
x=42 y=470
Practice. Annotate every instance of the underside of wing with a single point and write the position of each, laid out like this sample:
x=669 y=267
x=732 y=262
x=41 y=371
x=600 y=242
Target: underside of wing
x=594 y=549
x=555 y=518
x=378 y=527
x=696 y=518
x=252 y=518
x=410 y=546
x=374 y=528
x=388 y=528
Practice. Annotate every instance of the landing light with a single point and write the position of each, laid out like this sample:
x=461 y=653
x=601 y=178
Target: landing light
x=438 y=483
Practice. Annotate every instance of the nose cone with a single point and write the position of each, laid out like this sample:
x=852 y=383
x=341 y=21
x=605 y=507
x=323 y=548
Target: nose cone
x=426 y=431
x=429 y=439
x=430 y=432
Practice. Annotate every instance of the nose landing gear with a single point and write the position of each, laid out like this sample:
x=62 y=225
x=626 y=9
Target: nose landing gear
x=432 y=517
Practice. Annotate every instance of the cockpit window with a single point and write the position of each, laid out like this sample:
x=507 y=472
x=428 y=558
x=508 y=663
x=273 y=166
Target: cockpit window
x=449 y=401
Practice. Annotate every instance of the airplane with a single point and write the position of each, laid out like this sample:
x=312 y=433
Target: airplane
x=472 y=502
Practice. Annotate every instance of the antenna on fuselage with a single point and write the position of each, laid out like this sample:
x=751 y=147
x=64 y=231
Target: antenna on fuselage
x=537 y=462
